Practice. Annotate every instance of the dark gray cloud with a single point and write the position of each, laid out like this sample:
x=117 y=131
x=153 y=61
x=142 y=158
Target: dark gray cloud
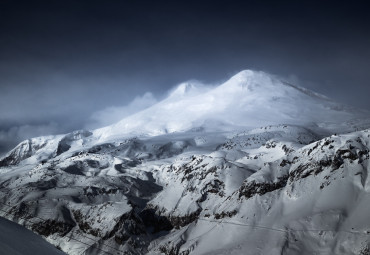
x=63 y=61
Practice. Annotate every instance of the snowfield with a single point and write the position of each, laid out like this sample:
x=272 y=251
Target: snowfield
x=252 y=166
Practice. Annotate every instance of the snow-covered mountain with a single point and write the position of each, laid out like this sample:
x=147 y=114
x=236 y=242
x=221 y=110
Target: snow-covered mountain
x=252 y=166
x=248 y=99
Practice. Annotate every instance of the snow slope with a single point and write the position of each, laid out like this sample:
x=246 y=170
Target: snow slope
x=248 y=99
x=17 y=240
x=251 y=166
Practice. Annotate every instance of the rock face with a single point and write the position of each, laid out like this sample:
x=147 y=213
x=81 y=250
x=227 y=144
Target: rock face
x=215 y=188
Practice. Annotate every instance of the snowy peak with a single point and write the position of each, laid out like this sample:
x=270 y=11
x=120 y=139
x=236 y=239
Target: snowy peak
x=249 y=79
x=201 y=171
x=248 y=99
x=185 y=89
x=266 y=85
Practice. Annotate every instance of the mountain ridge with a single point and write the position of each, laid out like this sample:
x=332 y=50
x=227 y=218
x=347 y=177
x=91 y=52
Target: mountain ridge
x=248 y=99
x=210 y=172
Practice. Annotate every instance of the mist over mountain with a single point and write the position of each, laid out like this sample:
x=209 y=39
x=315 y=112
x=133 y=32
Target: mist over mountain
x=206 y=127
x=68 y=65
x=248 y=99
x=251 y=165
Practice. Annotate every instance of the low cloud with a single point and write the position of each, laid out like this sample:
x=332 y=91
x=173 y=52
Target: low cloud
x=113 y=114
x=11 y=137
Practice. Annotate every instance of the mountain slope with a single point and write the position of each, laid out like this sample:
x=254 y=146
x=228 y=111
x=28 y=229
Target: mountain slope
x=249 y=166
x=248 y=99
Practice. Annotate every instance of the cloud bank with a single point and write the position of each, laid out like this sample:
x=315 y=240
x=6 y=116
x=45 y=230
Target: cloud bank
x=9 y=138
x=114 y=114
x=13 y=135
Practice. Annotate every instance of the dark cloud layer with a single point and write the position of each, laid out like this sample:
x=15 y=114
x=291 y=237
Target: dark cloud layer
x=63 y=61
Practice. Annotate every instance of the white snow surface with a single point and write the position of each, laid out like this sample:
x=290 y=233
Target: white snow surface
x=251 y=166
x=248 y=99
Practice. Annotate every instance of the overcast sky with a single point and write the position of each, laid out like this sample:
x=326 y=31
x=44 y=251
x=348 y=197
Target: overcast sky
x=65 y=64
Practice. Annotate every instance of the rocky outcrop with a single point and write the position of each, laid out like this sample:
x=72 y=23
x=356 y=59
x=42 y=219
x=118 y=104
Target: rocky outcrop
x=250 y=189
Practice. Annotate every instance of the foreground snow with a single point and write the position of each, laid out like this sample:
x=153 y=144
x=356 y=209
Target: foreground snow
x=17 y=240
x=248 y=167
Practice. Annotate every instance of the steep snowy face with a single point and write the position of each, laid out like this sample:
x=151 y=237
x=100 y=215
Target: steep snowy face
x=248 y=99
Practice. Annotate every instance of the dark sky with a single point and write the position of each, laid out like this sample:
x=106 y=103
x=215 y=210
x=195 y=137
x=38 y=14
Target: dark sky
x=63 y=61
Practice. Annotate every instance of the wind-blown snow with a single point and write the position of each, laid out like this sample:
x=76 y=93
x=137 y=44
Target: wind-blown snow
x=248 y=99
x=113 y=114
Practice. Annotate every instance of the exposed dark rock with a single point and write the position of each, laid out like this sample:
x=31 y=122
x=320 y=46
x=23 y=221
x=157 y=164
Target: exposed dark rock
x=128 y=225
x=284 y=163
x=170 y=149
x=225 y=214
x=180 y=221
x=173 y=249
x=365 y=250
x=286 y=149
x=92 y=163
x=84 y=225
x=50 y=227
x=44 y=184
x=195 y=169
x=62 y=147
x=305 y=170
x=65 y=143
x=346 y=153
x=271 y=144
x=250 y=189
x=96 y=191
x=9 y=160
x=214 y=186
x=24 y=150
x=77 y=168
x=155 y=221
x=334 y=162
x=126 y=164
x=21 y=211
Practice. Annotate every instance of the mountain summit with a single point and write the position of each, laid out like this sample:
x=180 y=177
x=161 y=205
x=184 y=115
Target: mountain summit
x=251 y=166
x=248 y=99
